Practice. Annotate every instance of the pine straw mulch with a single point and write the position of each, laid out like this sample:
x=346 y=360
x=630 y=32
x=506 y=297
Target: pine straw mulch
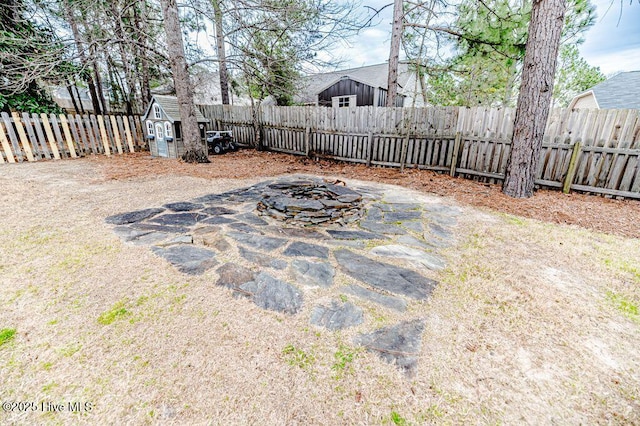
x=611 y=216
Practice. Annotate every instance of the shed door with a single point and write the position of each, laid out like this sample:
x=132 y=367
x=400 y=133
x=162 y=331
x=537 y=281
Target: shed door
x=163 y=151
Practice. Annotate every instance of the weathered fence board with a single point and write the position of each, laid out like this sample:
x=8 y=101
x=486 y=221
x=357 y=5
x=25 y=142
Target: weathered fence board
x=50 y=137
x=33 y=141
x=37 y=125
x=6 y=146
x=8 y=123
x=25 y=137
x=425 y=138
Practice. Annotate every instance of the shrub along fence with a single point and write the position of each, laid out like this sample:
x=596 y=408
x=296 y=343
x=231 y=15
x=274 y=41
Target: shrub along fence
x=596 y=151
x=34 y=137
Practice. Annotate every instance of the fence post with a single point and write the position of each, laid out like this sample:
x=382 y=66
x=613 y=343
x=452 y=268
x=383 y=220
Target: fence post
x=456 y=151
x=403 y=152
x=307 y=141
x=369 y=148
x=571 y=171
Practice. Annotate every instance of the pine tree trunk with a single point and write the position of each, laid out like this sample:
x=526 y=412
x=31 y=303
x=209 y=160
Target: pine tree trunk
x=142 y=61
x=75 y=86
x=222 y=56
x=538 y=71
x=394 y=54
x=98 y=83
x=129 y=93
x=73 y=98
x=194 y=152
x=83 y=58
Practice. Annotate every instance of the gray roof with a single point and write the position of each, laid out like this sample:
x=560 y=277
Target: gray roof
x=372 y=75
x=171 y=107
x=622 y=91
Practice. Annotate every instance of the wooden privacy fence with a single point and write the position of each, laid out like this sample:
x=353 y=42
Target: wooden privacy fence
x=587 y=150
x=34 y=137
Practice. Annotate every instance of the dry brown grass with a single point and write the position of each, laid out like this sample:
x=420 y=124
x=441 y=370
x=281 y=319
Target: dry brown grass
x=533 y=321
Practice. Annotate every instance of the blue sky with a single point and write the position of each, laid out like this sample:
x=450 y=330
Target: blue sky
x=613 y=43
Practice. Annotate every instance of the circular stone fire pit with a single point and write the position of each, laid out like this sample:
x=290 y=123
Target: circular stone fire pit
x=307 y=203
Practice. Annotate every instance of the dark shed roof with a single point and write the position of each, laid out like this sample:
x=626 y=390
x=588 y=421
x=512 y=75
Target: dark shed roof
x=371 y=75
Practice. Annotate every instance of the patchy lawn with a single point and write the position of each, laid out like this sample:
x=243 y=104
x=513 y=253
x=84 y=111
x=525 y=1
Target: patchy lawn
x=535 y=319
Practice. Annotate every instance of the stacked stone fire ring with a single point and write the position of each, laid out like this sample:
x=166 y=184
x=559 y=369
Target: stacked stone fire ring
x=309 y=203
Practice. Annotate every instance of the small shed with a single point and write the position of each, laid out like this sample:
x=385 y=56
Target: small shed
x=364 y=86
x=163 y=128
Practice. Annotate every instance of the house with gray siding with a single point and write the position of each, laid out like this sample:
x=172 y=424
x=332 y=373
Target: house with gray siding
x=163 y=129
x=622 y=91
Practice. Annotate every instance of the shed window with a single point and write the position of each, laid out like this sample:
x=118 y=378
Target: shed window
x=178 y=130
x=150 y=127
x=167 y=129
x=343 y=101
x=157 y=112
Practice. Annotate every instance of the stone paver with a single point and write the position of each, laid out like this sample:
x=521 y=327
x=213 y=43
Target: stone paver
x=273 y=294
x=411 y=241
x=188 y=258
x=391 y=302
x=399 y=216
x=243 y=227
x=336 y=316
x=262 y=259
x=183 y=206
x=398 y=344
x=160 y=228
x=340 y=234
x=127 y=233
x=251 y=219
x=132 y=217
x=413 y=225
x=313 y=273
x=218 y=220
x=299 y=248
x=391 y=278
x=402 y=252
x=439 y=231
x=232 y=275
x=179 y=219
x=258 y=242
x=381 y=228
x=218 y=211
x=151 y=238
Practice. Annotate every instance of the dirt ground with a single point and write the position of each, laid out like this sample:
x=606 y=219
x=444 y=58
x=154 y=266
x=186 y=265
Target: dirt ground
x=535 y=319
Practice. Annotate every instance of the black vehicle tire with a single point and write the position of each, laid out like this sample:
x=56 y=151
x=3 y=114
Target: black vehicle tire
x=217 y=149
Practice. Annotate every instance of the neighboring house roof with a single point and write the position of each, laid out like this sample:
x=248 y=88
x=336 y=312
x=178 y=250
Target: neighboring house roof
x=372 y=75
x=171 y=107
x=622 y=91
x=61 y=96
